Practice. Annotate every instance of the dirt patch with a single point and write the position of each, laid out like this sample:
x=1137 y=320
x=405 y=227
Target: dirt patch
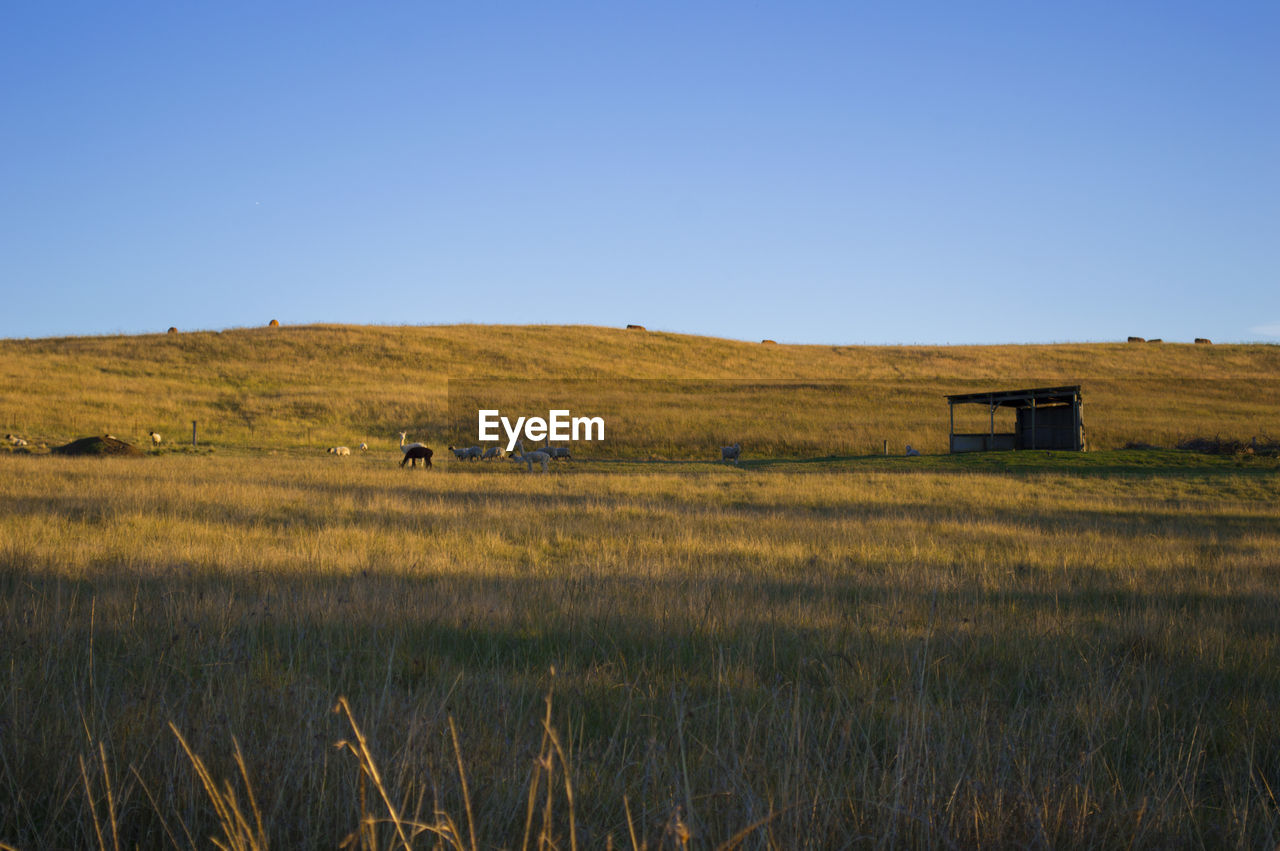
x=98 y=446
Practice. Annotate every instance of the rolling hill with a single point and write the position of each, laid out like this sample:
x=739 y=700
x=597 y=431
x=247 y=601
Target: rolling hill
x=293 y=388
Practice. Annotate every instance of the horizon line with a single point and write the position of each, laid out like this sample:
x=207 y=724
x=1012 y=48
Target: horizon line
x=640 y=329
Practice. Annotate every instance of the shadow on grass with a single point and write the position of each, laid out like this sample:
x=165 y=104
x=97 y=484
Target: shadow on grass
x=963 y=679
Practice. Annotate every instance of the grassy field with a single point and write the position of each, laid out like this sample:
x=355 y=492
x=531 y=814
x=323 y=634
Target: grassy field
x=317 y=386
x=837 y=650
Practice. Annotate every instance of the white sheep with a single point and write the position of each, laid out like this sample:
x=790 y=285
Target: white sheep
x=493 y=452
x=731 y=452
x=364 y=447
x=470 y=453
x=530 y=458
x=339 y=450
x=155 y=439
x=912 y=453
x=557 y=451
x=17 y=441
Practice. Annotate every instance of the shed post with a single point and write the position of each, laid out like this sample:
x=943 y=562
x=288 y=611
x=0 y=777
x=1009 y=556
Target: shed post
x=1079 y=435
x=991 y=441
x=1033 y=422
x=951 y=437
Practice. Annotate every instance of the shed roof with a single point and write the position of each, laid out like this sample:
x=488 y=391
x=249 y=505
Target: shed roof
x=1021 y=398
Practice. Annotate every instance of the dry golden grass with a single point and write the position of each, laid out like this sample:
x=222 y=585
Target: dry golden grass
x=785 y=655
x=806 y=651
x=317 y=386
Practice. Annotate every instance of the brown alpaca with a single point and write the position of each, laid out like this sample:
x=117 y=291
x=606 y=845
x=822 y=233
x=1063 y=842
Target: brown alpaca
x=413 y=453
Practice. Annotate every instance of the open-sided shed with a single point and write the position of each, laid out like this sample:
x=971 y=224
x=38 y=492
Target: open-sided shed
x=1046 y=418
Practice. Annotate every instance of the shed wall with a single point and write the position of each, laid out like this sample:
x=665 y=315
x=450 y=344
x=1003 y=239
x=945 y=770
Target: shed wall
x=1047 y=428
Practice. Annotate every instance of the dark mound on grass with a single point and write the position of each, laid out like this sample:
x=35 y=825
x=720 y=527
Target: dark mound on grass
x=1213 y=445
x=98 y=446
x=1229 y=446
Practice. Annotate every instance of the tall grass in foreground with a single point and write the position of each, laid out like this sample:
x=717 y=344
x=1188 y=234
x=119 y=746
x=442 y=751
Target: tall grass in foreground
x=767 y=658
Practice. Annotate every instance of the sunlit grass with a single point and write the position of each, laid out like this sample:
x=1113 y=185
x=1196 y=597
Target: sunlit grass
x=838 y=654
x=820 y=647
x=317 y=386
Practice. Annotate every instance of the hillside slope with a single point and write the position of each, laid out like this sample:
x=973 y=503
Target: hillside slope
x=309 y=386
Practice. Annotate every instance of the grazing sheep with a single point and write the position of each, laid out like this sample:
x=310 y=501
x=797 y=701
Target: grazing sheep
x=635 y=327
x=530 y=458
x=1203 y=341
x=768 y=342
x=415 y=454
x=364 y=447
x=155 y=439
x=1137 y=339
x=471 y=453
x=912 y=453
x=339 y=450
x=731 y=452
x=557 y=451
x=15 y=440
x=274 y=323
x=493 y=452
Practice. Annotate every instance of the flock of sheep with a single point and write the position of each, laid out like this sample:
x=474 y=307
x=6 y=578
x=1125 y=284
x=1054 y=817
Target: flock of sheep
x=415 y=452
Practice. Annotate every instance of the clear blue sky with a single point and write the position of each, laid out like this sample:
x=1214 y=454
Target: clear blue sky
x=836 y=172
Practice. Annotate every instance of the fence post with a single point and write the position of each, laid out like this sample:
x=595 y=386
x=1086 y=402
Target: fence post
x=193 y=432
